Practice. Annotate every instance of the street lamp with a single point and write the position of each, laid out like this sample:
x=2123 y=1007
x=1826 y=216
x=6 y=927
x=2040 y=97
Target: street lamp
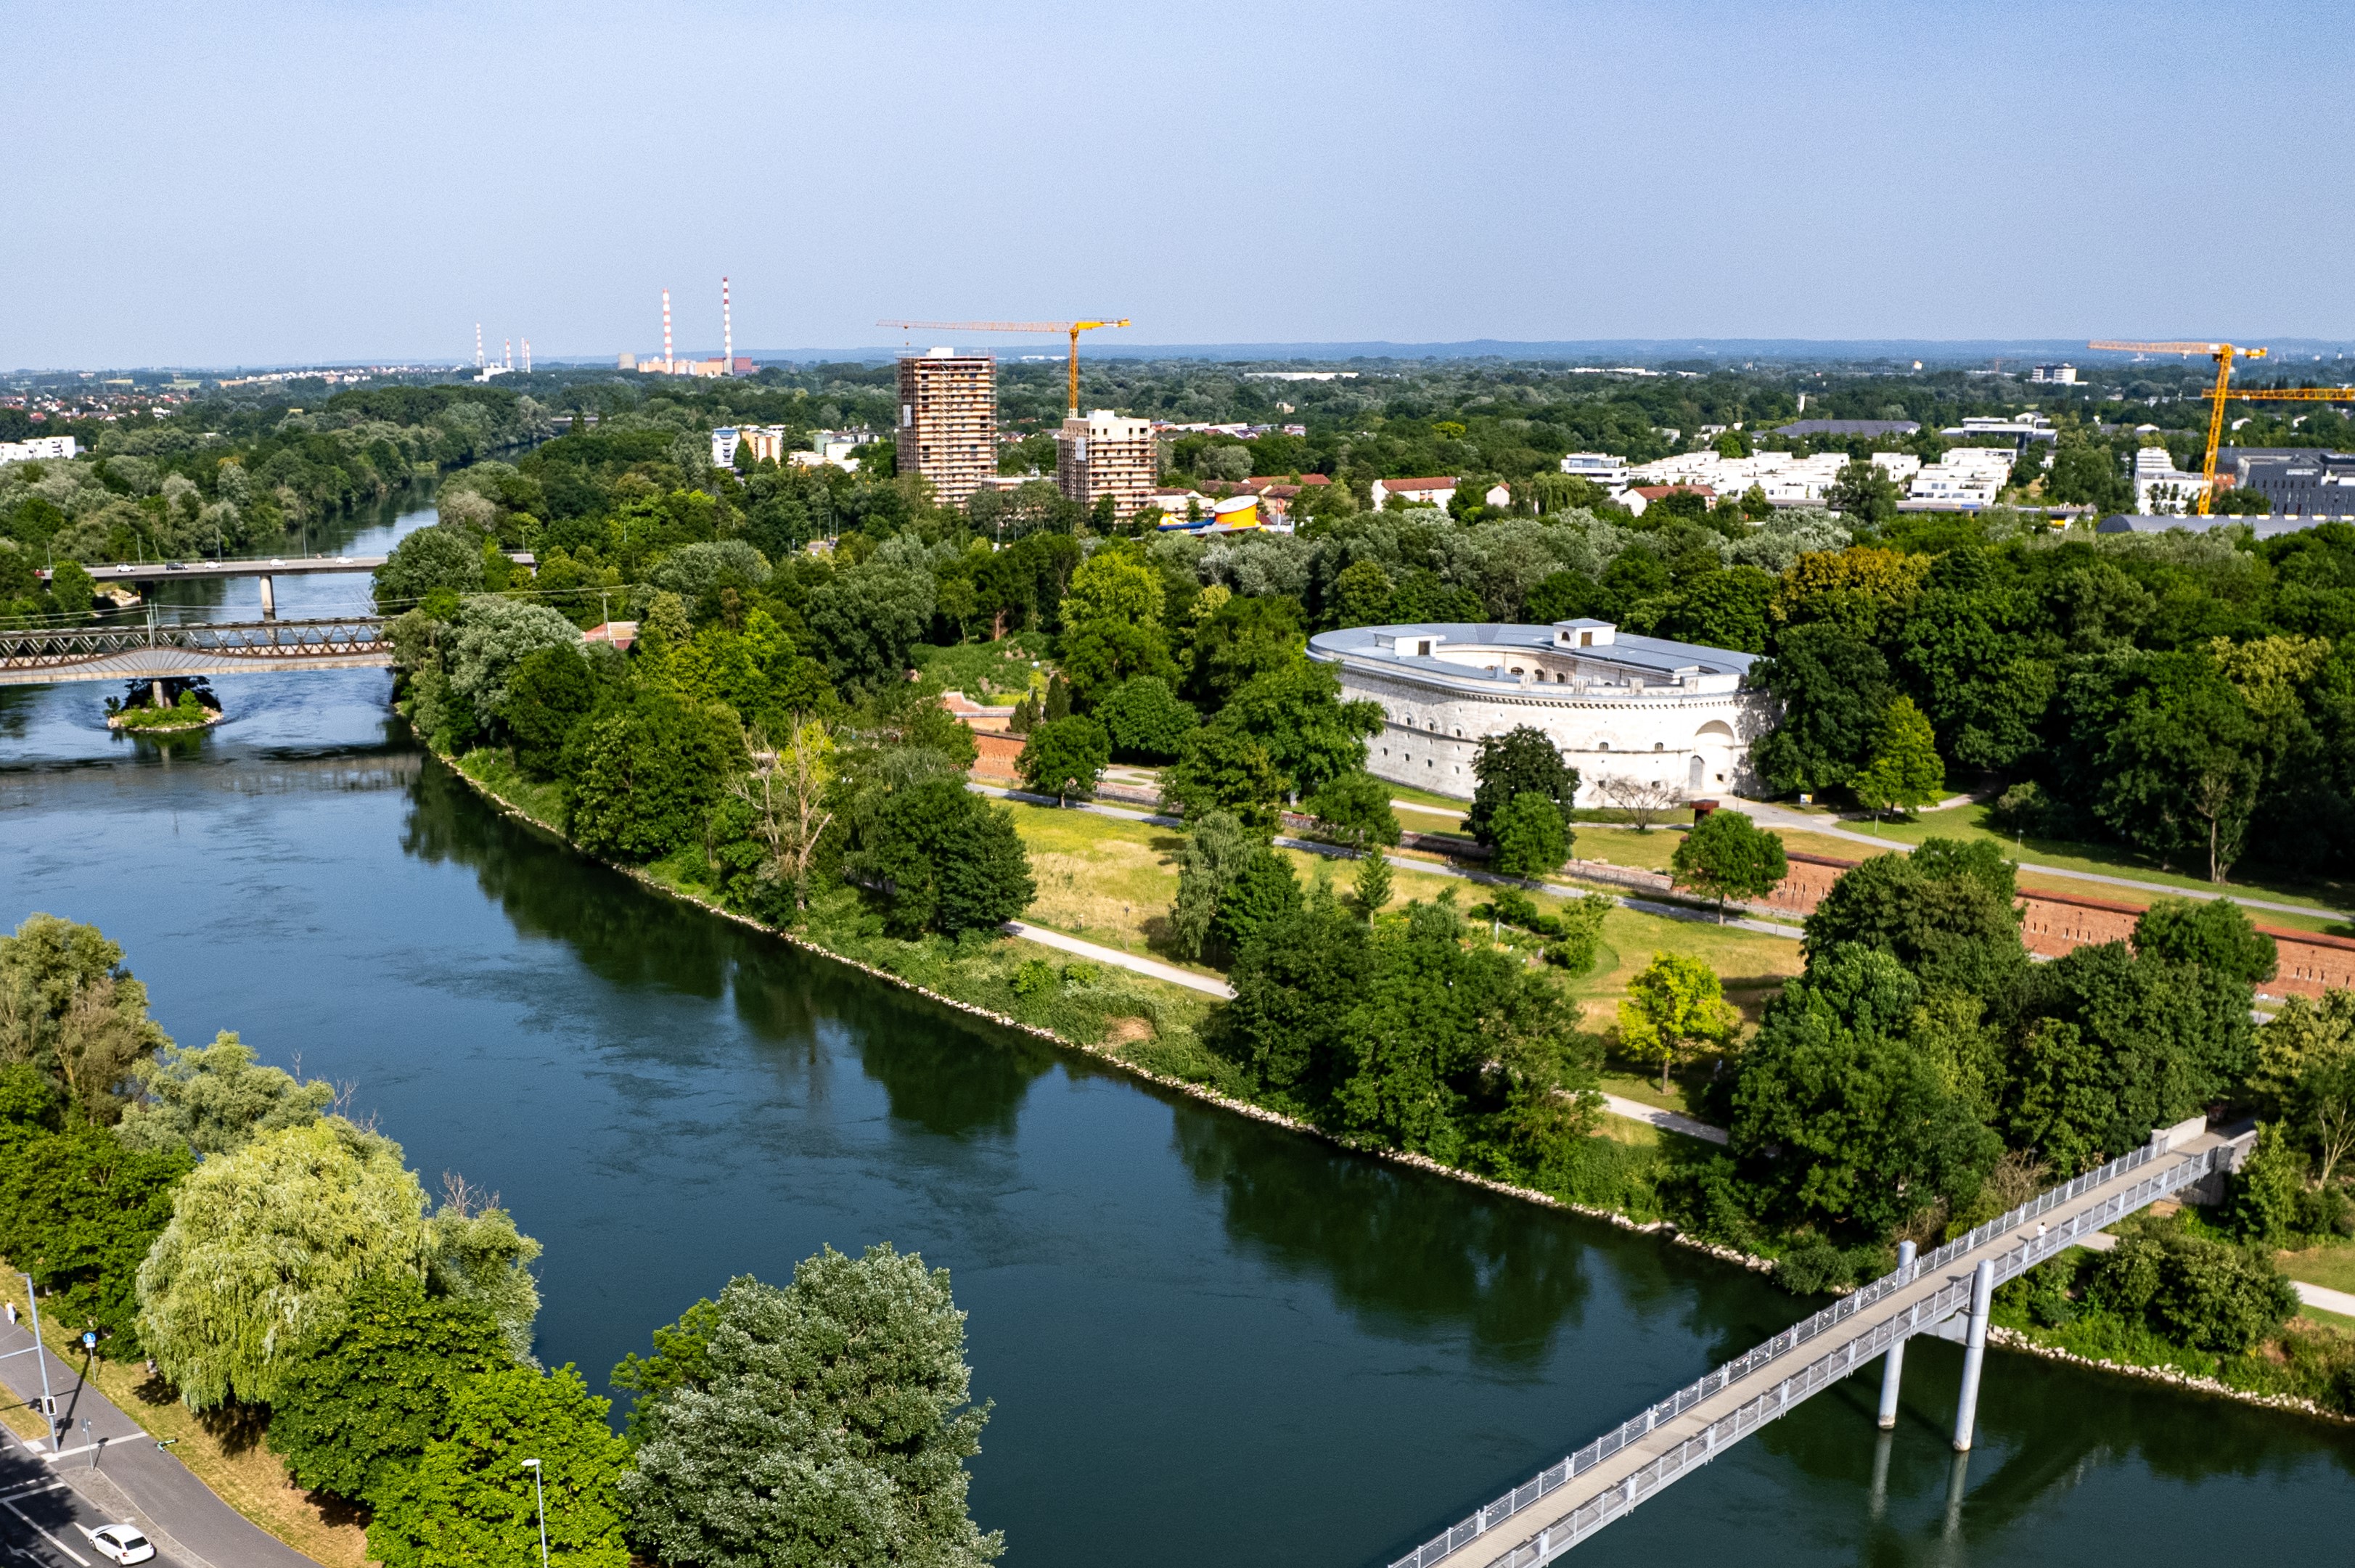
x=540 y=1494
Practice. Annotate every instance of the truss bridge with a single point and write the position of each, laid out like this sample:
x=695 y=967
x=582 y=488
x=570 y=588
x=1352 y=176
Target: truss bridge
x=161 y=650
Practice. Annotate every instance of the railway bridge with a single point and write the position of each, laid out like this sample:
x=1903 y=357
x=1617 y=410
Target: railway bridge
x=1945 y=1292
x=158 y=651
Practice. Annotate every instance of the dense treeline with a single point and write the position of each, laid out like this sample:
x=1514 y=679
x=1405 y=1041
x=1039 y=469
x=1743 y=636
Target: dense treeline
x=283 y=1270
x=219 y=480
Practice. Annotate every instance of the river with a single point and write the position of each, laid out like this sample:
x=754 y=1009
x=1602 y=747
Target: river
x=1208 y=1340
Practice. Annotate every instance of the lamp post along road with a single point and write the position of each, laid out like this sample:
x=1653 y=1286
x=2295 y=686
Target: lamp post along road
x=539 y=1496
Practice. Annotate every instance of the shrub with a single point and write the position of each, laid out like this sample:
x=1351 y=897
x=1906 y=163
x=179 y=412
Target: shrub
x=2205 y=1294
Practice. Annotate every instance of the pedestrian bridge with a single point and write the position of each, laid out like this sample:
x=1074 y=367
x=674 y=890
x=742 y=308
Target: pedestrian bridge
x=1946 y=1292
x=157 y=651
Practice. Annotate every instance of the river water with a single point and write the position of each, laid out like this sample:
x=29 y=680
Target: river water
x=1208 y=1340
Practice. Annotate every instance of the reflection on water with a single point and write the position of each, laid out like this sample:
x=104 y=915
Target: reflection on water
x=1209 y=1340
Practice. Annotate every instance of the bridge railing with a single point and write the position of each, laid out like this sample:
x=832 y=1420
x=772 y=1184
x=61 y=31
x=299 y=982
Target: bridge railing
x=60 y=645
x=1829 y=1368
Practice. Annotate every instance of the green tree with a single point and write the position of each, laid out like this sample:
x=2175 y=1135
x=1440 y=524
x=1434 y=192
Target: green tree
x=1146 y=719
x=444 y=555
x=2265 y=1189
x=1355 y=808
x=2211 y=933
x=2162 y=748
x=1246 y=636
x=942 y=860
x=1217 y=847
x=2306 y=1073
x=71 y=1011
x=1839 y=1120
x=1675 y=1003
x=478 y=1259
x=214 y=1099
x=1369 y=890
x=1952 y=932
x=79 y=1211
x=2193 y=1291
x=682 y=1358
x=830 y=1421
x=1520 y=762
x=1905 y=771
x=1286 y=1028
x=1864 y=491
x=647 y=775
x=867 y=618
x=362 y=1396
x=72 y=588
x=1833 y=685
x=1532 y=837
x=1261 y=898
x=1218 y=768
x=1296 y=713
x=1361 y=595
x=1727 y=855
x=263 y=1246
x=1116 y=583
x=1103 y=654
x=1065 y=757
x=489 y=637
x=549 y=695
x=469 y=1501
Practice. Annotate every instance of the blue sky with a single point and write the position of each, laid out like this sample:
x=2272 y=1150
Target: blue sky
x=235 y=183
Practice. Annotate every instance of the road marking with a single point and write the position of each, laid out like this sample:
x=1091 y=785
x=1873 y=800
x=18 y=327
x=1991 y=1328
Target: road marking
x=30 y=1487
x=52 y=1540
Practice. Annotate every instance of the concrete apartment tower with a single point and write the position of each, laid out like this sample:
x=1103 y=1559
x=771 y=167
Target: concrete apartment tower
x=1105 y=454
x=948 y=420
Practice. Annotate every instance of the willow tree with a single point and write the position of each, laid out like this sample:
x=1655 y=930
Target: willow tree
x=265 y=1245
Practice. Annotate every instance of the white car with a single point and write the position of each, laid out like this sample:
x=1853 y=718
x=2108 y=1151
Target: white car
x=120 y=1542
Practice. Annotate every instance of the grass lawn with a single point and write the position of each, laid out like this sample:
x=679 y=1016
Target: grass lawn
x=2333 y=1268
x=1969 y=822
x=494 y=769
x=1455 y=804
x=1103 y=879
x=1428 y=818
x=230 y=1458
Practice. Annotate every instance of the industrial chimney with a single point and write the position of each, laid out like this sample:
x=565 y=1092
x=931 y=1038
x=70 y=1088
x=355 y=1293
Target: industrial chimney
x=478 y=346
x=727 y=332
x=668 y=367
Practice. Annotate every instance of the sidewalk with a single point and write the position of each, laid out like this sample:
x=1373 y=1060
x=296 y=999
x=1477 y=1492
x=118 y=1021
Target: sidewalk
x=1209 y=984
x=120 y=1471
x=1666 y=1121
x=1770 y=815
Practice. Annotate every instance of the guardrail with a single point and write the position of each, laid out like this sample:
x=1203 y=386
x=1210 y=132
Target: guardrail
x=1817 y=1373
x=55 y=647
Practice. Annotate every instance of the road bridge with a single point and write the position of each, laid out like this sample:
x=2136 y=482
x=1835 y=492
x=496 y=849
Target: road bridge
x=1945 y=1292
x=159 y=650
x=146 y=575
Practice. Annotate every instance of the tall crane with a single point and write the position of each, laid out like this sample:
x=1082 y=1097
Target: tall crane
x=1072 y=327
x=2223 y=353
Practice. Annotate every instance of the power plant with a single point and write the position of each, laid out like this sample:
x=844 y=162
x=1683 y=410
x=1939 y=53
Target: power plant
x=670 y=364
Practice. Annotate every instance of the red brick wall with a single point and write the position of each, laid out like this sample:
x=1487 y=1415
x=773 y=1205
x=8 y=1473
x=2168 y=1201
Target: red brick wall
x=2052 y=924
x=998 y=754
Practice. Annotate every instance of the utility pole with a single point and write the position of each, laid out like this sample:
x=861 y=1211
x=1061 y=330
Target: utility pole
x=541 y=1495
x=48 y=1404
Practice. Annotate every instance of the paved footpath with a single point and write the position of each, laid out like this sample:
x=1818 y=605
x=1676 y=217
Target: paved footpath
x=120 y=1473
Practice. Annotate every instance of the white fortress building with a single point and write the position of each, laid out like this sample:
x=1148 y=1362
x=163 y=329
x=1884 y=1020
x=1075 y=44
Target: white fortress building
x=1620 y=707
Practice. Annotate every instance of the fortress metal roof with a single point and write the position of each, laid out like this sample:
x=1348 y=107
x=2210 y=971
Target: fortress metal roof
x=1652 y=658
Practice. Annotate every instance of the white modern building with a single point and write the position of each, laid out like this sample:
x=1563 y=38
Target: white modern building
x=1966 y=479
x=2160 y=488
x=1788 y=480
x=1433 y=492
x=2055 y=375
x=1619 y=705
x=1602 y=467
x=40 y=449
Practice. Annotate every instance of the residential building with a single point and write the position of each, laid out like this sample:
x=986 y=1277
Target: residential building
x=1436 y=492
x=1601 y=467
x=1618 y=707
x=1785 y=479
x=39 y=449
x=2162 y=490
x=948 y=420
x=1873 y=428
x=1103 y=453
x=725 y=440
x=2028 y=426
x=1176 y=499
x=2055 y=375
x=829 y=448
x=1964 y=480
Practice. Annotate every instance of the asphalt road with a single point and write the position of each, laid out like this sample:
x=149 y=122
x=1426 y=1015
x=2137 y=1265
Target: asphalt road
x=112 y=1471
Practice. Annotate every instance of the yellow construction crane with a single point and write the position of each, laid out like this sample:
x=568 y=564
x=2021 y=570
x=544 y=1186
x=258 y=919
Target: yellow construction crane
x=2223 y=353
x=1072 y=327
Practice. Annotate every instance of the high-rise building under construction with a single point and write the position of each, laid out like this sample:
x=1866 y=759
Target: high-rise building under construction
x=1104 y=454
x=948 y=420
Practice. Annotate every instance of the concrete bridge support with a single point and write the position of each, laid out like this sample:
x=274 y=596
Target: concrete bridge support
x=269 y=598
x=1893 y=1368
x=1967 y=1413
